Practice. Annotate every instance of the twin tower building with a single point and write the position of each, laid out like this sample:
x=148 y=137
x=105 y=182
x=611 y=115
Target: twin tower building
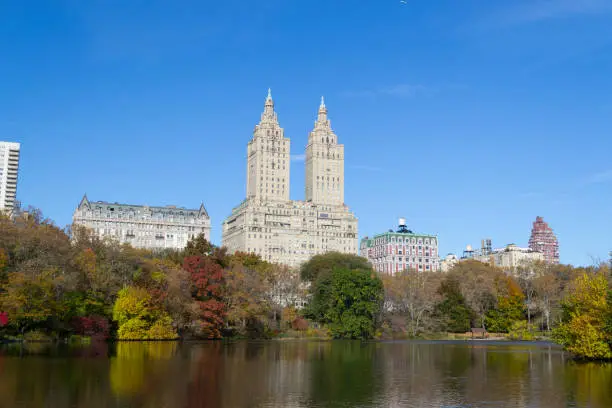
x=267 y=222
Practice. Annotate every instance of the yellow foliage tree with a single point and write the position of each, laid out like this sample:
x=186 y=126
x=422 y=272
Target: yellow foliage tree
x=583 y=329
x=138 y=319
x=3 y=259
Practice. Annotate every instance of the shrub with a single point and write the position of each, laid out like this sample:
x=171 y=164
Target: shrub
x=162 y=329
x=520 y=330
x=37 y=336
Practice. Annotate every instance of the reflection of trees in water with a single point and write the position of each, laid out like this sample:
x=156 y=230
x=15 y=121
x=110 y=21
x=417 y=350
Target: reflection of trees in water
x=270 y=373
x=303 y=374
x=148 y=374
x=443 y=374
x=589 y=383
x=205 y=374
x=343 y=371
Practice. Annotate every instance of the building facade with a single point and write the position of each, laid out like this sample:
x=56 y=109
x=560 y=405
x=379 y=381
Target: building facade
x=267 y=223
x=509 y=258
x=392 y=252
x=142 y=226
x=448 y=262
x=544 y=240
x=9 y=170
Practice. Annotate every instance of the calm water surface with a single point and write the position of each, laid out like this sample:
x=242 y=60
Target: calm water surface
x=300 y=374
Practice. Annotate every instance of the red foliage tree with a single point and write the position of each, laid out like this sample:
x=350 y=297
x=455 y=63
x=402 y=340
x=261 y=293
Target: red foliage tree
x=96 y=327
x=299 y=323
x=3 y=319
x=207 y=288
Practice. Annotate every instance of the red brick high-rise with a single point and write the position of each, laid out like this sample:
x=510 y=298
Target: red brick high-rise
x=544 y=240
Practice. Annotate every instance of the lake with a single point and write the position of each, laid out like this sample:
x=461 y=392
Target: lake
x=300 y=374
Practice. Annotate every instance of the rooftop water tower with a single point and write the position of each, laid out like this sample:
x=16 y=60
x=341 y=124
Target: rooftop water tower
x=402 y=228
x=468 y=253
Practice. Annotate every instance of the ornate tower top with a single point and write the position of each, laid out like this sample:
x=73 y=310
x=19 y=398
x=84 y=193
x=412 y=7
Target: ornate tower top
x=322 y=118
x=322 y=127
x=269 y=118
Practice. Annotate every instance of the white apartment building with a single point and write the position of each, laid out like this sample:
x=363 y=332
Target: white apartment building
x=143 y=226
x=448 y=262
x=9 y=169
x=393 y=252
x=509 y=258
x=269 y=224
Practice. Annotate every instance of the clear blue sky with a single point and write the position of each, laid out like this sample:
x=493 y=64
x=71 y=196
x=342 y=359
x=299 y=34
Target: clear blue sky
x=469 y=118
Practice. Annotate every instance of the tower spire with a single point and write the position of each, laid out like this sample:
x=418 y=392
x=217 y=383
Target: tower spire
x=268 y=115
x=322 y=120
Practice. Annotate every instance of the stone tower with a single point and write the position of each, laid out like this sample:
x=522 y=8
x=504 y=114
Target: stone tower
x=268 y=158
x=324 y=163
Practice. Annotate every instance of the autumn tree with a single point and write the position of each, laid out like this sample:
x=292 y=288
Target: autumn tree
x=526 y=274
x=139 y=319
x=246 y=298
x=31 y=302
x=548 y=297
x=585 y=313
x=200 y=246
x=284 y=290
x=207 y=286
x=477 y=286
x=509 y=307
x=414 y=295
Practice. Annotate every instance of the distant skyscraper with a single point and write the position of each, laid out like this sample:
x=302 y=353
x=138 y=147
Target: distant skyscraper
x=544 y=240
x=9 y=167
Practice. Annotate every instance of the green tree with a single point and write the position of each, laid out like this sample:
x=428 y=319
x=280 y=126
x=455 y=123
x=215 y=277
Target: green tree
x=321 y=265
x=452 y=313
x=350 y=303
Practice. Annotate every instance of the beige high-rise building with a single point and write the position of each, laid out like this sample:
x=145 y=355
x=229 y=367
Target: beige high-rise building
x=267 y=222
x=324 y=163
x=268 y=158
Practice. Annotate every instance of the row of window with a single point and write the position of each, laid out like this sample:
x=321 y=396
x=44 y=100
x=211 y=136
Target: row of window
x=142 y=227
x=402 y=267
x=400 y=240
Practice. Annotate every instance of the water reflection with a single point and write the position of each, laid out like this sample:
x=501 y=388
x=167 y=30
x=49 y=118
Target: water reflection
x=300 y=374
